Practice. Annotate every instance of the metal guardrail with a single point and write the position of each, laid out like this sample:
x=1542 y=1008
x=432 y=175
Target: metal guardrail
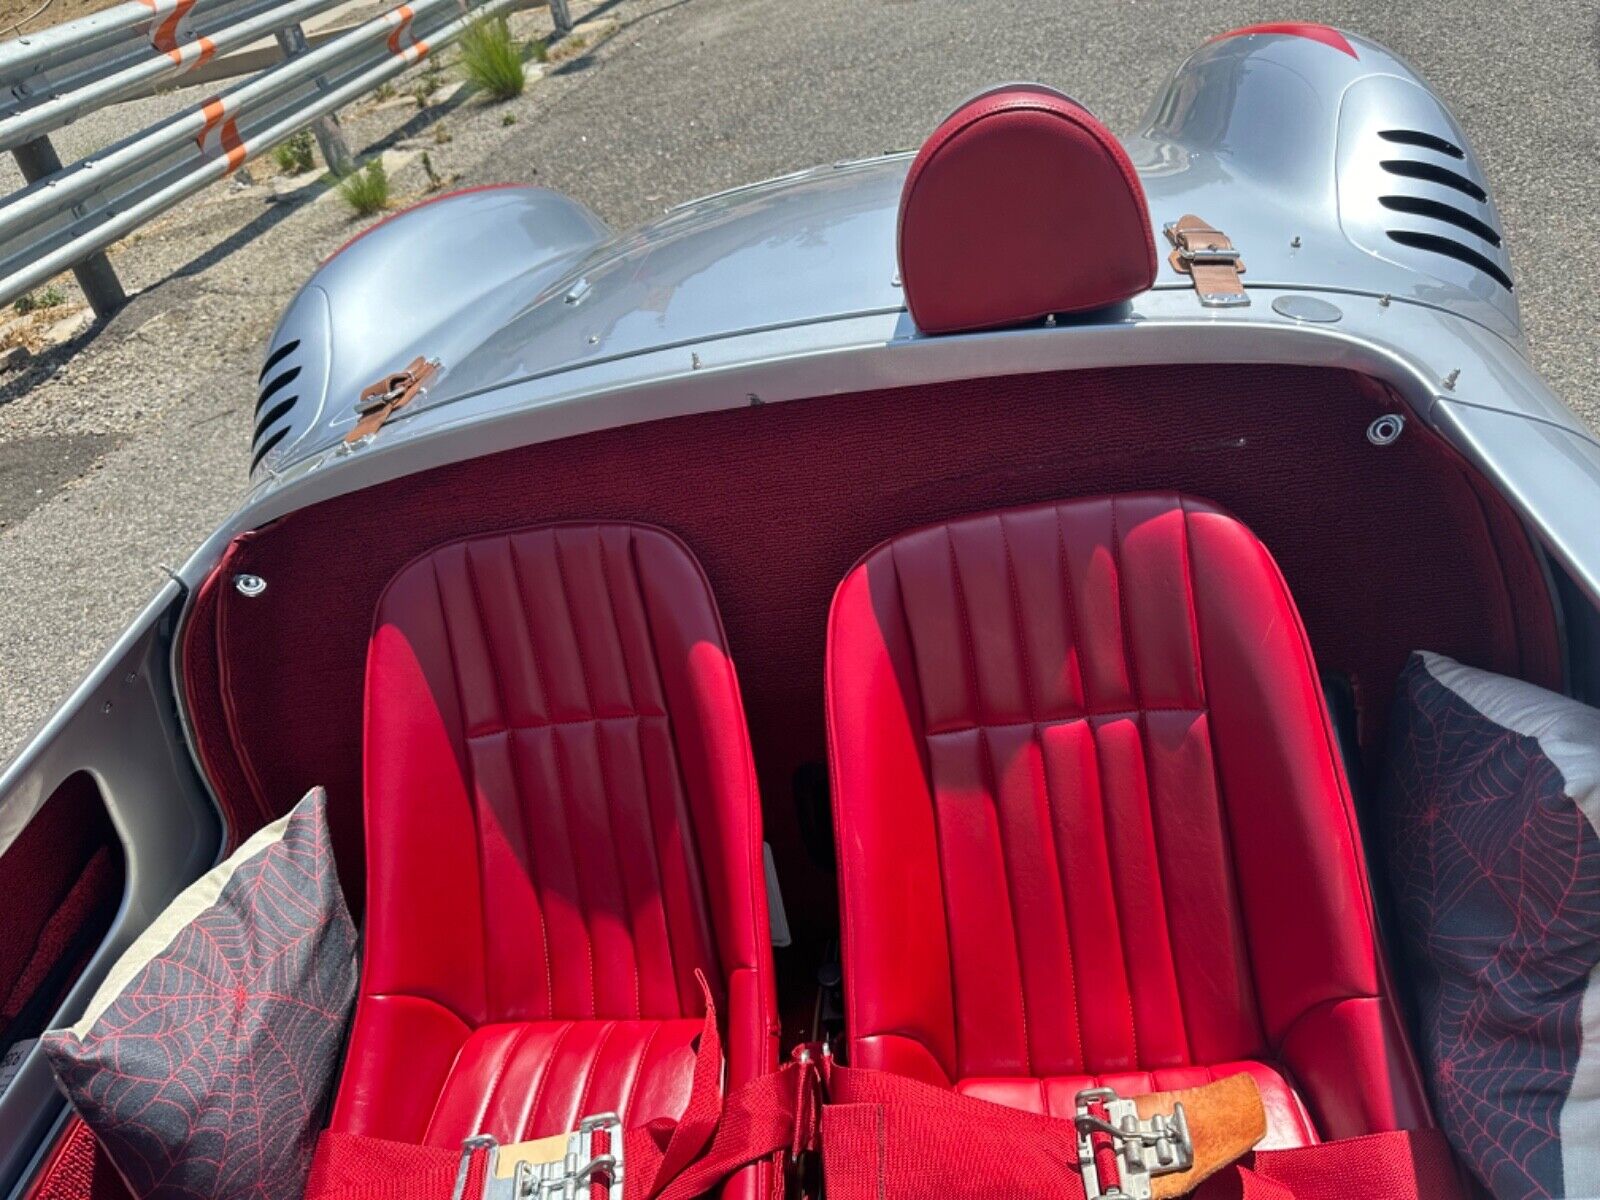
x=67 y=215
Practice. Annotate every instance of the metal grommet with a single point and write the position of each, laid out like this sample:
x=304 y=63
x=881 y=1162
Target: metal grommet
x=1386 y=430
x=249 y=585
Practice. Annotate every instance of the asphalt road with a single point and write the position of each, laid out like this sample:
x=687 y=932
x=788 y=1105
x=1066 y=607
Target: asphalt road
x=689 y=97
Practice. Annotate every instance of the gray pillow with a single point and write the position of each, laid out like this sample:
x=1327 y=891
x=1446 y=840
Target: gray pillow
x=205 y=1061
x=1491 y=810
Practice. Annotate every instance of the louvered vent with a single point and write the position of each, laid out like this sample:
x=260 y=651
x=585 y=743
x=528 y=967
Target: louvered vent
x=1454 y=219
x=275 y=401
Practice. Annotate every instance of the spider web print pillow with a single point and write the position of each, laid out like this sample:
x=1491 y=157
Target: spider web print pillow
x=205 y=1060
x=1491 y=808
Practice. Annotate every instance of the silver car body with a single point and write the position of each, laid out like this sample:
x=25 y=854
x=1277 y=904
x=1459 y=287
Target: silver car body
x=546 y=324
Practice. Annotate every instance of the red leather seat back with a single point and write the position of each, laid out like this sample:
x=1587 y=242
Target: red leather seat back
x=1090 y=820
x=1019 y=205
x=561 y=817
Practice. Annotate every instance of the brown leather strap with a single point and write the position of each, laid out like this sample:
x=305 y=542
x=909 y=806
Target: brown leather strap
x=391 y=392
x=1226 y=1119
x=1208 y=257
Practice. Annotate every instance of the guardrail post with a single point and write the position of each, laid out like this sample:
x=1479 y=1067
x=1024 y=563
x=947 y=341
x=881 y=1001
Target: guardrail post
x=562 y=16
x=37 y=159
x=330 y=138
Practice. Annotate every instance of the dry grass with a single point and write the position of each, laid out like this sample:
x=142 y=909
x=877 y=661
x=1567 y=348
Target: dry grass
x=32 y=321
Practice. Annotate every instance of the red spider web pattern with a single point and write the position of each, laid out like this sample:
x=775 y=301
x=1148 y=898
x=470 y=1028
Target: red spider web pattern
x=209 y=1074
x=1496 y=873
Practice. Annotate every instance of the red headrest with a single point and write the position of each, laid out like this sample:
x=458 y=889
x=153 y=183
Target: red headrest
x=1021 y=204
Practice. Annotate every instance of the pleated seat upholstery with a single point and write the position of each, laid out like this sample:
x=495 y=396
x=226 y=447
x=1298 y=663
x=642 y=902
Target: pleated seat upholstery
x=562 y=827
x=1092 y=826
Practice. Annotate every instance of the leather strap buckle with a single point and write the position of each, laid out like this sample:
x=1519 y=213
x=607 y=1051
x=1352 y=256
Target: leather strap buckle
x=553 y=1168
x=1142 y=1148
x=1208 y=257
x=378 y=401
x=1207 y=254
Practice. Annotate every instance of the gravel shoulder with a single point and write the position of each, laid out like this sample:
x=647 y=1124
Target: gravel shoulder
x=123 y=448
x=29 y=16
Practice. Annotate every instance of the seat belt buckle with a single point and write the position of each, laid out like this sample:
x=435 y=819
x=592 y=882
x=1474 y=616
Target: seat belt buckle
x=1143 y=1148
x=563 y=1167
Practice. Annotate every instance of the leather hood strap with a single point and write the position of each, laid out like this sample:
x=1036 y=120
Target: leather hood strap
x=380 y=400
x=1207 y=256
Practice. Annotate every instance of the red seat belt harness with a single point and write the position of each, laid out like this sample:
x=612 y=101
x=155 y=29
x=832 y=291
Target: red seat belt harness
x=886 y=1137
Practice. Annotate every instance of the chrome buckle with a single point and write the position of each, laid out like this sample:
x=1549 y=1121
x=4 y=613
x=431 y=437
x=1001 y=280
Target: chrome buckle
x=1144 y=1149
x=1206 y=254
x=386 y=393
x=560 y=1178
x=398 y=387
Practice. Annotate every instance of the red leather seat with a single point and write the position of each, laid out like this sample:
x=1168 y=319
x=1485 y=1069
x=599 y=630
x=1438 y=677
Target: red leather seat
x=1092 y=826
x=562 y=826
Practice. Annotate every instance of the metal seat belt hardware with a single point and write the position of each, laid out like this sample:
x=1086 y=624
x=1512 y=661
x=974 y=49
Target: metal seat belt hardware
x=563 y=1167
x=1160 y=1145
x=1209 y=258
